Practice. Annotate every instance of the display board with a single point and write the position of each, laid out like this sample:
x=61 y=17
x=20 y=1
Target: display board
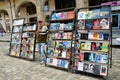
x=92 y=41
x=28 y=41
x=60 y=37
x=23 y=39
x=16 y=34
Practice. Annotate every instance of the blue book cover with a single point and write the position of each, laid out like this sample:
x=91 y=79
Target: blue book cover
x=53 y=17
x=92 y=57
x=104 y=58
x=104 y=12
x=98 y=58
x=95 y=13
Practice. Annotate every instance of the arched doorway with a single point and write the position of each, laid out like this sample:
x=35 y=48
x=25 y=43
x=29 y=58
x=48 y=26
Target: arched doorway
x=27 y=10
x=4 y=21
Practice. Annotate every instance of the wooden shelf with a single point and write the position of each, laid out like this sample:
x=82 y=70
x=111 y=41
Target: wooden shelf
x=92 y=40
x=30 y=31
x=60 y=31
x=56 y=66
x=61 y=20
x=64 y=39
x=58 y=57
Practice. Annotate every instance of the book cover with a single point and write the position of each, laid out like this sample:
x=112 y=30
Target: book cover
x=106 y=36
x=100 y=36
x=98 y=58
x=64 y=53
x=90 y=35
x=104 y=58
x=96 y=24
x=69 y=26
x=103 y=70
x=58 y=15
x=75 y=66
x=58 y=62
x=68 y=53
x=62 y=16
x=93 y=46
x=96 y=69
x=104 y=23
x=70 y=14
x=105 y=47
x=66 y=64
x=62 y=26
x=55 y=62
x=82 y=45
x=81 y=56
x=95 y=35
x=69 y=35
x=81 y=15
x=81 y=24
x=98 y=46
x=84 y=36
x=88 y=46
x=104 y=11
x=91 y=68
x=96 y=13
x=80 y=66
x=86 y=56
x=53 y=16
x=86 y=67
x=89 y=24
x=88 y=15
x=92 y=57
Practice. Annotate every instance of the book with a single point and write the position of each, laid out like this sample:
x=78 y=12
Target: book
x=95 y=13
x=84 y=36
x=104 y=58
x=98 y=58
x=96 y=24
x=88 y=15
x=105 y=47
x=92 y=57
x=81 y=24
x=104 y=11
x=58 y=16
x=81 y=56
x=68 y=53
x=80 y=66
x=64 y=53
x=62 y=16
x=69 y=35
x=70 y=14
x=81 y=15
x=93 y=46
x=88 y=46
x=95 y=35
x=106 y=36
x=104 y=23
x=98 y=46
x=86 y=67
x=90 y=35
x=69 y=26
x=96 y=69
x=103 y=70
x=89 y=24
x=53 y=17
x=86 y=56
x=82 y=45
x=100 y=36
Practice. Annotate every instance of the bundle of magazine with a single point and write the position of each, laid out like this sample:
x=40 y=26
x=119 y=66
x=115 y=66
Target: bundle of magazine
x=93 y=36
x=57 y=62
x=91 y=68
x=61 y=26
x=29 y=28
x=15 y=49
x=94 y=46
x=60 y=53
x=62 y=15
x=28 y=34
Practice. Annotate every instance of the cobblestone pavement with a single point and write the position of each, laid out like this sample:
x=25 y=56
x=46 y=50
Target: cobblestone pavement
x=18 y=69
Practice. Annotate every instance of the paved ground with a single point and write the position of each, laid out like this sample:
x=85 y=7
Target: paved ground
x=18 y=69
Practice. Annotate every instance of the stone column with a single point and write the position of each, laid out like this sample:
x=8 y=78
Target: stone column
x=81 y=3
x=3 y=21
x=39 y=8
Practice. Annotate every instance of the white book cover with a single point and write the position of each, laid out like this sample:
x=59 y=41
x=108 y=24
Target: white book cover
x=80 y=66
x=81 y=15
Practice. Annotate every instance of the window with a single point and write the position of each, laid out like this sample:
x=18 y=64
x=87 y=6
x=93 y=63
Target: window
x=61 y=4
